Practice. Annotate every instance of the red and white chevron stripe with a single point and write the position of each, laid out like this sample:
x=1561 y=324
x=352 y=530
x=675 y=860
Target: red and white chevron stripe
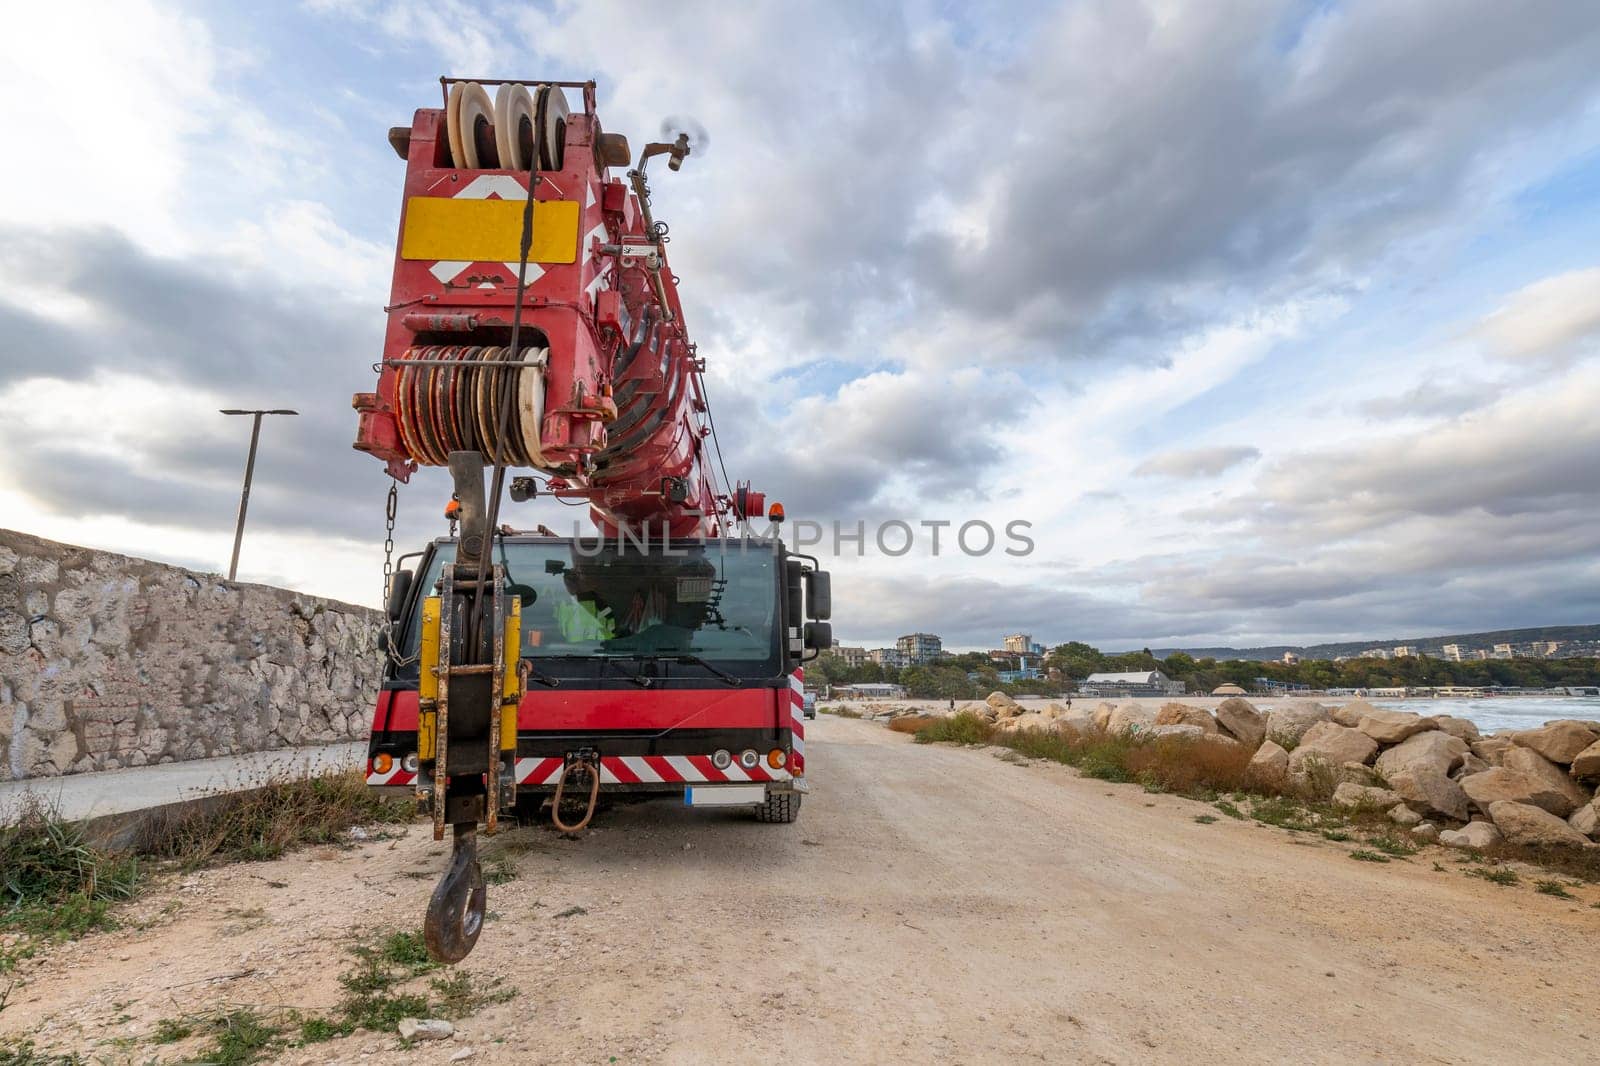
x=797 y=717
x=650 y=769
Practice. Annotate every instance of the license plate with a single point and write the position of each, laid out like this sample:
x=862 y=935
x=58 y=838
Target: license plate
x=724 y=795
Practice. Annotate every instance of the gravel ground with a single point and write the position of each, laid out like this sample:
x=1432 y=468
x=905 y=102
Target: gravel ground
x=931 y=904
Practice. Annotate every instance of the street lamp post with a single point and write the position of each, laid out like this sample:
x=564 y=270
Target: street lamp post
x=249 y=472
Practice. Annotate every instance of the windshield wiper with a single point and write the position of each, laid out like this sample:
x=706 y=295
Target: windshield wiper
x=533 y=674
x=638 y=679
x=695 y=660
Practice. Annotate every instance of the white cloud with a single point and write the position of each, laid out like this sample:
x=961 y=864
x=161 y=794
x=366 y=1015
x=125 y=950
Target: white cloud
x=103 y=101
x=1550 y=321
x=1197 y=462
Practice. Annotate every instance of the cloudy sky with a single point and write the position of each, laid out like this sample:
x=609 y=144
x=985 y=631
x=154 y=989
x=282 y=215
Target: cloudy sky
x=1278 y=320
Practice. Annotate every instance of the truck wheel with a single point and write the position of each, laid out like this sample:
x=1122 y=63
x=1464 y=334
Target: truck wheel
x=780 y=807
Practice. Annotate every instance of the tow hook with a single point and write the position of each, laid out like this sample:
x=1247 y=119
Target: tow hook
x=455 y=913
x=579 y=763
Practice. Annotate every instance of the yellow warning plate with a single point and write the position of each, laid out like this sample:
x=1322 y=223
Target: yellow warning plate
x=488 y=231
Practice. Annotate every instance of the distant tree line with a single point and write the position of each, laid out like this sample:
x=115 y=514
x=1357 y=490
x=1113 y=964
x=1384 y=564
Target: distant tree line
x=1077 y=661
x=943 y=680
x=973 y=675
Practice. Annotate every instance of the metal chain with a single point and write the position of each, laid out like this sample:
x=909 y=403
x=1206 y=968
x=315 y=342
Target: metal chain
x=389 y=509
x=391 y=506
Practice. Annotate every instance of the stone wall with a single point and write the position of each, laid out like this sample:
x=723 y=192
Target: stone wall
x=108 y=661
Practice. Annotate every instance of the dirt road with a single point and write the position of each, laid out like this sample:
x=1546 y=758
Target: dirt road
x=932 y=904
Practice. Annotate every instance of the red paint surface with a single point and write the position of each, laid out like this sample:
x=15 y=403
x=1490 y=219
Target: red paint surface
x=588 y=710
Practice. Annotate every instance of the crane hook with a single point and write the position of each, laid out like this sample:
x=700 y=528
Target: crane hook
x=455 y=913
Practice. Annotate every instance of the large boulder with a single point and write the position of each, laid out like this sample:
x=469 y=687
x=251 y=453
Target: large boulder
x=1525 y=824
x=1360 y=774
x=1286 y=725
x=1350 y=714
x=1434 y=749
x=1080 y=719
x=1426 y=832
x=1587 y=762
x=1469 y=766
x=1102 y=716
x=1472 y=835
x=1498 y=784
x=1026 y=720
x=1269 y=767
x=1242 y=721
x=1492 y=750
x=1428 y=790
x=1363 y=797
x=1131 y=718
x=1537 y=766
x=1391 y=727
x=1402 y=815
x=1557 y=741
x=1181 y=730
x=1004 y=706
x=1332 y=744
x=1464 y=728
x=1183 y=714
x=1586 y=820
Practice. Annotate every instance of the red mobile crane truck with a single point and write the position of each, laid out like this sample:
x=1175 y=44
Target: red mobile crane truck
x=534 y=323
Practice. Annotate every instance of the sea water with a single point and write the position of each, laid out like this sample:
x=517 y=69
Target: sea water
x=1492 y=714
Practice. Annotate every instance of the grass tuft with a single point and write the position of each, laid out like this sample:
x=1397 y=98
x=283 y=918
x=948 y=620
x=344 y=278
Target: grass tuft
x=1391 y=845
x=172 y=1030
x=1497 y=875
x=54 y=885
x=840 y=712
x=23 y=1053
x=1553 y=888
x=911 y=723
x=278 y=814
x=962 y=728
x=1363 y=855
x=1205 y=819
x=238 y=1038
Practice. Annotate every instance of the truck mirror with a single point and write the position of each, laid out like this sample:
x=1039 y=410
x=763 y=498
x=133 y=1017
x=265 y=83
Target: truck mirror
x=819 y=595
x=399 y=585
x=819 y=636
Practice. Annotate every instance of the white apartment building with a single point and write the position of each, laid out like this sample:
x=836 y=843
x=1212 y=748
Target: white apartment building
x=917 y=648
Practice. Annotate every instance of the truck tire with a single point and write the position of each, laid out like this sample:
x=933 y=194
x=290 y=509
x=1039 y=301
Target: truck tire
x=780 y=807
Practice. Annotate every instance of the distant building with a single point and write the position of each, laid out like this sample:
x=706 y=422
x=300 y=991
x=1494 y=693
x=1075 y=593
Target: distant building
x=1375 y=653
x=1019 y=643
x=1544 y=649
x=1290 y=658
x=917 y=648
x=1479 y=654
x=870 y=691
x=887 y=657
x=1405 y=651
x=1454 y=652
x=1136 y=683
x=852 y=656
x=1504 y=651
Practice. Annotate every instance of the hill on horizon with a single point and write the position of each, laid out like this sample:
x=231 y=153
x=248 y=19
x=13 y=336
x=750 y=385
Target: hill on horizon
x=1427 y=645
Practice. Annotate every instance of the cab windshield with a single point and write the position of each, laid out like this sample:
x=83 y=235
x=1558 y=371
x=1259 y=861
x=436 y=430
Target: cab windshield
x=588 y=600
